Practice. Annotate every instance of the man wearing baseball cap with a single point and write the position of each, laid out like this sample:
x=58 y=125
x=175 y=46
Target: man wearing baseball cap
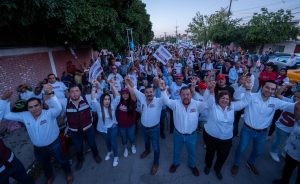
x=221 y=85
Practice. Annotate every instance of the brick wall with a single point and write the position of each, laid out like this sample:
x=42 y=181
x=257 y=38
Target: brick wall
x=62 y=57
x=33 y=68
x=28 y=69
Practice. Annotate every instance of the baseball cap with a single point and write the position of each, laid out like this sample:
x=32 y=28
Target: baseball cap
x=179 y=75
x=220 y=76
x=202 y=85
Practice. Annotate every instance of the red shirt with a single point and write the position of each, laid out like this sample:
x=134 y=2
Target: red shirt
x=124 y=118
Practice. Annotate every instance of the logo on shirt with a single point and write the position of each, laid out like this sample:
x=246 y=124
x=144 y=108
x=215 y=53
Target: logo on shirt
x=54 y=87
x=271 y=105
x=193 y=110
x=43 y=122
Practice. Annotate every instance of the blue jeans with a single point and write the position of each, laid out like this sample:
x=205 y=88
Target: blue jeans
x=111 y=139
x=89 y=136
x=151 y=135
x=279 y=140
x=128 y=133
x=16 y=171
x=247 y=135
x=190 y=142
x=44 y=154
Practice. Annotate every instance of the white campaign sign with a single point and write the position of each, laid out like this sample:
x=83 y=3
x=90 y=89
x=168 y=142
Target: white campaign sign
x=162 y=55
x=95 y=71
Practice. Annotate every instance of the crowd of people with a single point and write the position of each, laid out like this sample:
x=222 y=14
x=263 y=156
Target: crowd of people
x=205 y=91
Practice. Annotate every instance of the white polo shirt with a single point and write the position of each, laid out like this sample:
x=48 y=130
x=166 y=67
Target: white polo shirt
x=118 y=80
x=150 y=113
x=44 y=130
x=259 y=113
x=175 y=90
x=220 y=122
x=59 y=89
x=198 y=97
x=185 y=119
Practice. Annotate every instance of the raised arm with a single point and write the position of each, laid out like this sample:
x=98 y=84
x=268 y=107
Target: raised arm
x=51 y=100
x=5 y=108
x=115 y=92
x=131 y=92
x=170 y=103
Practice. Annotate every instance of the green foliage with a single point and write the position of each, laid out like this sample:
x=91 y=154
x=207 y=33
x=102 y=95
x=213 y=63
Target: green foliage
x=215 y=27
x=264 y=27
x=271 y=27
x=77 y=21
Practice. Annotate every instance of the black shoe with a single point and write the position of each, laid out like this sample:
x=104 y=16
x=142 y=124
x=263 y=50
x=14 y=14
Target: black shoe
x=219 y=175
x=97 y=159
x=78 y=165
x=252 y=168
x=173 y=168
x=206 y=170
x=195 y=171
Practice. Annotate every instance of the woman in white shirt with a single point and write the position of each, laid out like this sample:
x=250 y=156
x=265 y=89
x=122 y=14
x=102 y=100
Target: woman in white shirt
x=107 y=123
x=218 y=131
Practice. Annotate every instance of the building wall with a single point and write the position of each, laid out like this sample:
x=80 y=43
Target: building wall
x=289 y=47
x=30 y=66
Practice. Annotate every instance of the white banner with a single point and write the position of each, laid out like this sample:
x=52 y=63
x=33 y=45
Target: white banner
x=95 y=71
x=190 y=60
x=180 y=52
x=162 y=55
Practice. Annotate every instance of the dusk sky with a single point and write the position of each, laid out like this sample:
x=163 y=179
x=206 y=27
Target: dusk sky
x=166 y=14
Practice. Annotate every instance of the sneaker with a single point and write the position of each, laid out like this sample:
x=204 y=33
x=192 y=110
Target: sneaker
x=125 y=153
x=116 y=161
x=274 y=156
x=133 y=149
x=107 y=157
x=252 y=168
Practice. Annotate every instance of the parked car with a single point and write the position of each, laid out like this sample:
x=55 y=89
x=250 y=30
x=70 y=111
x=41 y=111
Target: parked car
x=280 y=60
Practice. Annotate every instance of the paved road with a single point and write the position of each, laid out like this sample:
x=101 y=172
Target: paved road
x=133 y=170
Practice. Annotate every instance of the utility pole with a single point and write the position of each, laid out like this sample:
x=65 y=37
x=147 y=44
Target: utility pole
x=229 y=8
x=165 y=36
x=176 y=27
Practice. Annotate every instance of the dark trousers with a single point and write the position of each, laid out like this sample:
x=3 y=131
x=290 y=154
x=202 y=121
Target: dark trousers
x=237 y=117
x=171 y=121
x=44 y=155
x=289 y=166
x=162 y=121
x=275 y=118
x=16 y=171
x=151 y=136
x=89 y=136
x=216 y=146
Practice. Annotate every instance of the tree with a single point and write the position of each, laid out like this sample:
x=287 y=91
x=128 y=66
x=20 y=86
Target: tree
x=51 y=22
x=270 y=27
x=216 y=27
x=199 y=29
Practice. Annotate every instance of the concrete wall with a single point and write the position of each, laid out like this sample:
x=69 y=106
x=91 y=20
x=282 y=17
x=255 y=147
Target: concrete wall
x=289 y=47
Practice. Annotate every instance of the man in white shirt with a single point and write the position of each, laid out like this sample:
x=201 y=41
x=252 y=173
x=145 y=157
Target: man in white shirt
x=291 y=62
x=43 y=131
x=259 y=112
x=175 y=88
x=186 y=112
x=59 y=88
x=150 y=117
x=116 y=77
